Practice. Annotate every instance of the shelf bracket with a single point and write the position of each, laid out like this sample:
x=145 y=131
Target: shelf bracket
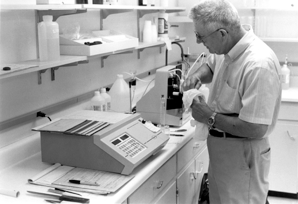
x=53 y=73
x=39 y=73
x=57 y=13
x=142 y=49
x=104 y=13
x=53 y=69
x=102 y=60
x=115 y=53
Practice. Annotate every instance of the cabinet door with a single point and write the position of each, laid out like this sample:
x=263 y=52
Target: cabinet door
x=201 y=166
x=284 y=157
x=186 y=185
x=155 y=184
x=188 y=151
x=169 y=196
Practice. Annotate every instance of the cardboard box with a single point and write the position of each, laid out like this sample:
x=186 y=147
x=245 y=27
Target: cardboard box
x=111 y=41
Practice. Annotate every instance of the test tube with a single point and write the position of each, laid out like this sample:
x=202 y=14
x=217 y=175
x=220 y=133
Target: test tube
x=162 y=111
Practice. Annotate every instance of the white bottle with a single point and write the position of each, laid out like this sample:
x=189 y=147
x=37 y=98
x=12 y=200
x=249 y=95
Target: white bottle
x=107 y=98
x=51 y=30
x=285 y=75
x=119 y=93
x=154 y=32
x=42 y=41
x=163 y=25
x=147 y=32
x=97 y=102
x=205 y=91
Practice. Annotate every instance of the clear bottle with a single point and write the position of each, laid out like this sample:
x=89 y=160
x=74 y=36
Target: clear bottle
x=119 y=93
x=52 y=38
x=97 y=102
x=285 y=75
x=107 y=98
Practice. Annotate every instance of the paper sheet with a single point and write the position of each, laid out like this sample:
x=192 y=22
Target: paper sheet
x=58 y=176
x=110 y=117
x=107 y=181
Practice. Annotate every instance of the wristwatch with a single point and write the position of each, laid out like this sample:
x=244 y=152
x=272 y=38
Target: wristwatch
x=211 y=120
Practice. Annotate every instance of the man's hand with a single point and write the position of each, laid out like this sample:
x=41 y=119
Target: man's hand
x=192 y=82
x=200 y=110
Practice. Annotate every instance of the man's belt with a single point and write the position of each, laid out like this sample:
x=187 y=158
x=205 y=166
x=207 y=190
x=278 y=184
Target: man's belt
x=216 y=133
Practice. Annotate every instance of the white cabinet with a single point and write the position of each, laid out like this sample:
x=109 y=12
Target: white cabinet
x=186 y=185
x=190 y=178
x=201 y=167
x=169 y=196
x=271 y=21
x=178 y=180
x=283 y=176
x=156 y=184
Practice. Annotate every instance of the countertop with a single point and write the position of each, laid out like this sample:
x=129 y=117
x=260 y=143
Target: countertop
x=15 y=177
x=290 y=95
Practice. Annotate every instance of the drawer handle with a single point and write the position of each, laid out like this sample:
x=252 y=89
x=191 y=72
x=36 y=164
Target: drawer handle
x=193 y=176
x=196 y=145
x=289 y=134
x=200 y=171
x=159 y=185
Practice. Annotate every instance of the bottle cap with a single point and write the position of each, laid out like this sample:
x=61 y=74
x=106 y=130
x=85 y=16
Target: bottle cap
x=47 y=18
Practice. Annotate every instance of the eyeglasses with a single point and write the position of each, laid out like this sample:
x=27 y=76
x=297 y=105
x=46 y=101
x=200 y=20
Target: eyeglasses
x=201 y=38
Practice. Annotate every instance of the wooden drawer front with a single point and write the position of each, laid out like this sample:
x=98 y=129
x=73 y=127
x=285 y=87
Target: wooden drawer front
x=155 y=184
x=288 y=111
x=187 y=152
x=169 y=196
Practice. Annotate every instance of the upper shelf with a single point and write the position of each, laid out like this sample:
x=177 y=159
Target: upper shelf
x=94 y=6
x=36 y=65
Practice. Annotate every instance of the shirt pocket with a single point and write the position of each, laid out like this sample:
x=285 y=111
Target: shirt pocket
x=229 y=100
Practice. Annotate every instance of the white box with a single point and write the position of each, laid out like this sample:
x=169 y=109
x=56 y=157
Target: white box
x=112 y=41
x=49 y=1
x=20 y=2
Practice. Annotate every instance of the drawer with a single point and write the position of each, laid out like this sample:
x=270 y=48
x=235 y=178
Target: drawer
x=168 y=196
x=155 y=184
x=288 y=111
x=188 y=151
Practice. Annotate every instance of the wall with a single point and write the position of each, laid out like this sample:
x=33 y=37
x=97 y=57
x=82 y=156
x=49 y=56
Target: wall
x=21 y=96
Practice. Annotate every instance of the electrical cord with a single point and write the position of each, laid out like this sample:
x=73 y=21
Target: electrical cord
x=201 y=55
x=43 y=115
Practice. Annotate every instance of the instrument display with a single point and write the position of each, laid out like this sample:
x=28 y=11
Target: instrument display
x=129 y=145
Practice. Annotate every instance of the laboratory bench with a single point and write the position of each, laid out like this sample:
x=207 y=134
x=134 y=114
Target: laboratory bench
x=155 y=175
x=173 y=175
x=179 y=165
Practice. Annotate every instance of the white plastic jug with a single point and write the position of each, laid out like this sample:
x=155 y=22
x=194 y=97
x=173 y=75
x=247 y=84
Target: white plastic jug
x=48 y=39
x=97 y=102
x=107 y=98
x=119 y=93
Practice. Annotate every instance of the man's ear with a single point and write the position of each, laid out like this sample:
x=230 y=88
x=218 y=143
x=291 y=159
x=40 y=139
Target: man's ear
x=223 y=32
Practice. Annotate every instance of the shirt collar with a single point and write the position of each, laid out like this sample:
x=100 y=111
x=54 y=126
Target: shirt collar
x=242 y=44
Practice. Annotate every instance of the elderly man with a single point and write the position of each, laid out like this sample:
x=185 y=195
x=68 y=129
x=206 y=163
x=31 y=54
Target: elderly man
x=244 y=100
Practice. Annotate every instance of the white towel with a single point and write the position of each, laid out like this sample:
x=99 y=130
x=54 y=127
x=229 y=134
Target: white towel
x=201 y=132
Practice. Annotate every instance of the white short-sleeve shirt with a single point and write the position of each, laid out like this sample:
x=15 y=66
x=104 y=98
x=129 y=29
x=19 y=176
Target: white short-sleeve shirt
x=246 y=82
